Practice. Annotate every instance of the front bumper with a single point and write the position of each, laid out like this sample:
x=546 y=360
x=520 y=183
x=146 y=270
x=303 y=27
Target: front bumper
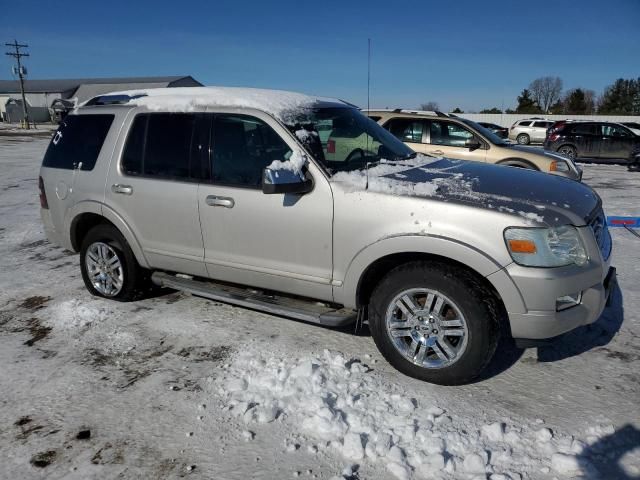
x=545 y=324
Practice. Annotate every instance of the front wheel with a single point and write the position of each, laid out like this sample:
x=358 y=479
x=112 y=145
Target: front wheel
x=433 y=321
x=109 y=267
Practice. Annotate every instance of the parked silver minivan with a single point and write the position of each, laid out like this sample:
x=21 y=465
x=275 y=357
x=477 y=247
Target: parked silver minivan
x=228 y=194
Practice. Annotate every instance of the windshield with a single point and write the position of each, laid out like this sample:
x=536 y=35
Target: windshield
x=343 y=139
x=488 y=134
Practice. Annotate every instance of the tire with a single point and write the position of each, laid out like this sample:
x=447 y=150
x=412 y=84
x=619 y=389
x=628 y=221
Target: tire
x=104 y=243
x=567 y=151
x=523 y=139
x=466 y=306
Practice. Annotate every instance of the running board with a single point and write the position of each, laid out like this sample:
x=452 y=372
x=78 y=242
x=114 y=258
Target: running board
x=306 y=311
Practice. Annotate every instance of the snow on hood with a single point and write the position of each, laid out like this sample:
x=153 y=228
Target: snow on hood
x=535 y=196
x=186 y=99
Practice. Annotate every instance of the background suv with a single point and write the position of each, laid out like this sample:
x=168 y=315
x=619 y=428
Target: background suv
x=609 y=142
x=531 y=130
x=439 y=134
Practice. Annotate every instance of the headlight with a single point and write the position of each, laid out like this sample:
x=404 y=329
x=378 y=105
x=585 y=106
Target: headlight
x=545 y=247
x=558 y=166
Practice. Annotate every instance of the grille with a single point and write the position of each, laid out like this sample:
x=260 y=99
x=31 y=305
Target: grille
x=598 y=225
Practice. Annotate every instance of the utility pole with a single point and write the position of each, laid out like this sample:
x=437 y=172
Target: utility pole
x=17 y=54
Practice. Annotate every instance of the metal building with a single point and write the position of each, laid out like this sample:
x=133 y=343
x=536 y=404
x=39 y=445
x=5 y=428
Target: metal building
x=41 y=94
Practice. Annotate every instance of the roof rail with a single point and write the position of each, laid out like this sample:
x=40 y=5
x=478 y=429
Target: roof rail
x=111 y=100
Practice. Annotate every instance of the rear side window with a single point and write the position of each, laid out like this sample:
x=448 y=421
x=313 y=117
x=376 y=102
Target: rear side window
x=542 y=124
x=406 y=129
x=584 y=129
x=78 y=140
x=375 y=118
x=167 y=146
x=524 y=124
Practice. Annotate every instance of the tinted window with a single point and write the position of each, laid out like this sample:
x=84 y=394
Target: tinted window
x=242 y=147
x=524 y=124
x=584 y=129
x=406 y=129
x=542 y=124
x=448 y=134
x=167 y=145
x=614 y=131
x=78 y=140
x=375 y=118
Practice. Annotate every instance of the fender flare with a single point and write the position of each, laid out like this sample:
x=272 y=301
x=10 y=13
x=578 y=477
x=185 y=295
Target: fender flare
x=97 y=208
x=127 y=233
x=444 y=247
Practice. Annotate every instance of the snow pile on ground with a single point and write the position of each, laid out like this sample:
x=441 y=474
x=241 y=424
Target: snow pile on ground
x=185 y=99
x=339 y=404
x=77 y=314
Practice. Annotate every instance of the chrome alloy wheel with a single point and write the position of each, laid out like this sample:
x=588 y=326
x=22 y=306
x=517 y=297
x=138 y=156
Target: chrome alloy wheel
x=104 y=269
x=427 y=328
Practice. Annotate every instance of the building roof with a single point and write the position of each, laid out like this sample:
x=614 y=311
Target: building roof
x=67 y=84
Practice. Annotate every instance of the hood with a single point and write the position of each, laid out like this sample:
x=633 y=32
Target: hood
x=539 y=197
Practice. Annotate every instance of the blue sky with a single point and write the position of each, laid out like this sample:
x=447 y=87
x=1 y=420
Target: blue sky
x=466 y=53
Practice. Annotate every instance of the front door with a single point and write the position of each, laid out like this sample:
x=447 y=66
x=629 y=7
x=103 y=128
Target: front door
x=448 y=139
x=617 y=142
x=276 y=242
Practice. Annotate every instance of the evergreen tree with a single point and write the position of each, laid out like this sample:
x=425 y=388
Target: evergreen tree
x=526 y=104
x=491 y=110
x=622 y=98
x=457 y=110
x=575 y=102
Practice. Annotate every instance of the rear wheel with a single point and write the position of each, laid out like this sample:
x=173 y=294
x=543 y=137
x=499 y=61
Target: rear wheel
x=568 y=151
x=109 y=268
x=523 y=139
x=432 y=321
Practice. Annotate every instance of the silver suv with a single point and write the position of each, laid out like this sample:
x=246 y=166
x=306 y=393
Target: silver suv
x=228 y=194
x=530 y=130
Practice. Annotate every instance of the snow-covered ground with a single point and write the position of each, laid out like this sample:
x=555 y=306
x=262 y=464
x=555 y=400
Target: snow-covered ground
x=177 y=386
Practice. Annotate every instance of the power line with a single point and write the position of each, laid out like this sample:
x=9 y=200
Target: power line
x=17 y=54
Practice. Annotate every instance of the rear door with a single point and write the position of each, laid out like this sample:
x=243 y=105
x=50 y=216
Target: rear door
x=410 y=131
x=278 y=242
x=446 y=138
x=586 y=138
x=153 y=187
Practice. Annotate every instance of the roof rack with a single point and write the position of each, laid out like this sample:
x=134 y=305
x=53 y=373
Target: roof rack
x=111 y=100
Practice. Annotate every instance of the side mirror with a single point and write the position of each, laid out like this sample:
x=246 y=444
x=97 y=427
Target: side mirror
x=284 y=181
x=472 y=144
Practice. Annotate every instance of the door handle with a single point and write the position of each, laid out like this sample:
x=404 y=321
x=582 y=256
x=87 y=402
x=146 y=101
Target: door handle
x=123 y=189
x=438 y=152
x=226 y=202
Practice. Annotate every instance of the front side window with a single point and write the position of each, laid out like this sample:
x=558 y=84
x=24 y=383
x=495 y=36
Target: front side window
x=78 y=141
x=448 y=134
x=166 y=146
x=614 y=131
x=406 y=129
x=346 y=139
x=242 y=147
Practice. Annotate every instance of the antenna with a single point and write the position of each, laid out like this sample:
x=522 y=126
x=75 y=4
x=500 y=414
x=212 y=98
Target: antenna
x=368 y=74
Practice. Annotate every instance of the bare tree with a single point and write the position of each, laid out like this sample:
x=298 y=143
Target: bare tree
x=430 y=106
x=546 y=91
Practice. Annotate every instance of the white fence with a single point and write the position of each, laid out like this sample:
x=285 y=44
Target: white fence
x=508 y=119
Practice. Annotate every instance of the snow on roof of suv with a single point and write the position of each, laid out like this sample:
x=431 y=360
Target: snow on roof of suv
x=185 y=99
